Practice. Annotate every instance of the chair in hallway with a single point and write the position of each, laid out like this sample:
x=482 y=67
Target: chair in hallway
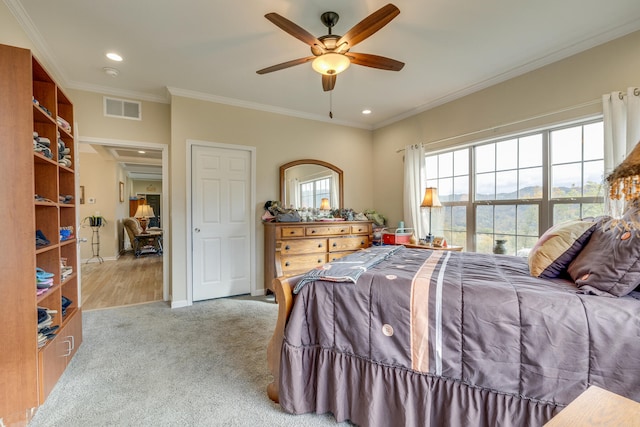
x=150 y=242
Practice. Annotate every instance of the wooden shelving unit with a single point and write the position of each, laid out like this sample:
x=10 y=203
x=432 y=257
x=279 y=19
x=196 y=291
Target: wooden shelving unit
x=31 y=371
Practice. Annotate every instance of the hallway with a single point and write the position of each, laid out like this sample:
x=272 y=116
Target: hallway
x=127 y=281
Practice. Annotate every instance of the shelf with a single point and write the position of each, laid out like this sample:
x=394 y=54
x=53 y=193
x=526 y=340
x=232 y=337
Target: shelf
x=47 y=248
x=70 y=278
x=41 y=158
x=67 y=242
x=40 y=116
x=51 y=292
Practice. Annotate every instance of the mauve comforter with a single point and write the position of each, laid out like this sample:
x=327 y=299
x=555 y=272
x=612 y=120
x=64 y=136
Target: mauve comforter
x=452 y=338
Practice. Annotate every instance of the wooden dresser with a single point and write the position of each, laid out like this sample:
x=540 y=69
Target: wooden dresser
x=292 y=248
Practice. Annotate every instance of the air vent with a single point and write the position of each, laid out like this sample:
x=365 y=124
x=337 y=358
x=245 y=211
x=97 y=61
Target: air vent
x=122 y=108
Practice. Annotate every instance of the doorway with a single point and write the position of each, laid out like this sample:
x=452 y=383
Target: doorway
x=147 y=280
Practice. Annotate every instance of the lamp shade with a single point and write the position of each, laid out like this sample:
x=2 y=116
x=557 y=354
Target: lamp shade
x=324 y=204
x=144 y=211
x=330 y=63
x=431 y=199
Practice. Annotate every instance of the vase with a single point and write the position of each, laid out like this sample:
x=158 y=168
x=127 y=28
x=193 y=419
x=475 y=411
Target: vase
x=499 y=247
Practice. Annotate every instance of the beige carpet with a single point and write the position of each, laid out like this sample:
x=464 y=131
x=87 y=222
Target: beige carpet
x=149 y=365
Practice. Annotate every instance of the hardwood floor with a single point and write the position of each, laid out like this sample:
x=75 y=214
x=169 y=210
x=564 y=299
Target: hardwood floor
x=129 y=280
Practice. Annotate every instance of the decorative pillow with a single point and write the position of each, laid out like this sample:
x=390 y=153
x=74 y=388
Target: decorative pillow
x=558 y=246
x=609 y=264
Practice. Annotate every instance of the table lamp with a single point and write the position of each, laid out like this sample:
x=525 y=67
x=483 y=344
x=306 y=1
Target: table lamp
x=430 y=201
x=143 y=213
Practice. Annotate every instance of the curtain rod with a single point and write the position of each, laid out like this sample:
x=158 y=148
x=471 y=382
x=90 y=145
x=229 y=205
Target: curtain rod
x=575 y=107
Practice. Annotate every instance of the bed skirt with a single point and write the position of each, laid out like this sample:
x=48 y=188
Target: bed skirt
x=312 y=380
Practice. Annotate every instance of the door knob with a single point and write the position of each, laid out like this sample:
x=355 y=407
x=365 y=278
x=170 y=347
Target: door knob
x=197 y=230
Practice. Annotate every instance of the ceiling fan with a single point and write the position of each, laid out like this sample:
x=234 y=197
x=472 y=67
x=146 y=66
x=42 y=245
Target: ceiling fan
x=331 y=52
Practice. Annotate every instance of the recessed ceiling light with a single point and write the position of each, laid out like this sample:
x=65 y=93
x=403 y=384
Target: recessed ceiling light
x=141 y=152
x=366 y=111
x=114 y=56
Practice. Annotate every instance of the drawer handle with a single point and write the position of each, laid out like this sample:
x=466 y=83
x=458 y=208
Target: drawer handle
x=319 y=245
x=292 y=232
x=313 y=231
x=286 y=264
x=342 y=230
x=320 y=261
x=335 y=244
x=362 y=243
x=286 y=248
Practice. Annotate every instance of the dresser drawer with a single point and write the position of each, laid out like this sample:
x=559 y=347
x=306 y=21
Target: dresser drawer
x=293 y=263
x=302 y=246
x=291 y=232
x=361 y=229
x=331 y=230
x=339 y=244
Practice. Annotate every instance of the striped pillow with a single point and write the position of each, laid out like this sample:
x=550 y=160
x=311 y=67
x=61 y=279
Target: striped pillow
x=558 y=246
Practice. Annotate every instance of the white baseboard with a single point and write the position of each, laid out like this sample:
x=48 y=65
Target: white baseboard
x=180 y=304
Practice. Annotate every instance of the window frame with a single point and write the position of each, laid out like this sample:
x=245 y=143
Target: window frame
x=545 y=204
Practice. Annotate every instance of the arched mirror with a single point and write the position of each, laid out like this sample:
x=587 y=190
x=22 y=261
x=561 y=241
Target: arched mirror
x=304 y=183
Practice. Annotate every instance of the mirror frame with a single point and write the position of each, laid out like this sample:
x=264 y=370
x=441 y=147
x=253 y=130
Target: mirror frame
x=336 y=169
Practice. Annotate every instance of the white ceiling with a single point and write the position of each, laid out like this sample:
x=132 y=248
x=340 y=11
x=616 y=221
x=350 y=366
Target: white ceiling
x=143 y=164
x=211 y=49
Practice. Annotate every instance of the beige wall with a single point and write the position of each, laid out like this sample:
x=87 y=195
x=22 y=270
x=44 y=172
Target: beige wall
x=140 y=186
x=154 y=126
x=278 y=139
x=575 y=81
x=100 y=179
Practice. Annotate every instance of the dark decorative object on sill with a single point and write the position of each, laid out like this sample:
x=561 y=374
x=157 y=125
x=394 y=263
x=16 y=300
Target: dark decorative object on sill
x=499 y=247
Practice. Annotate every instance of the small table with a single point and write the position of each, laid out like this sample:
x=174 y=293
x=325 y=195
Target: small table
x=434 y=248
x=149 y=242
x=598 y=407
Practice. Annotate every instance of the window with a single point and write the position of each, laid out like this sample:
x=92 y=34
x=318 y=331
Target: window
x=312 y=192
x=577 y=167
x=520 y=186
x=449 y=173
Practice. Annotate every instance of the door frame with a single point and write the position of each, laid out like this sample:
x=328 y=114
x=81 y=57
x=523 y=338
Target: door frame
x=189 y=219
x=166 y=229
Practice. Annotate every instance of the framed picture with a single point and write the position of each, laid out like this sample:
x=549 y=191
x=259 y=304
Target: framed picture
x=121 y=191
x=438 y=241
x=82 y=194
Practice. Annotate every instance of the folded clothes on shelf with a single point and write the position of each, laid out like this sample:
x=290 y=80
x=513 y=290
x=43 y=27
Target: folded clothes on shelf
x=41 y=240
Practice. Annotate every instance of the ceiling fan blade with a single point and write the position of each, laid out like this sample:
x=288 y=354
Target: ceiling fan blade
x=295 y=30
x=285 y=65
x=328 y=82
x=367 y=27
x=375 y=61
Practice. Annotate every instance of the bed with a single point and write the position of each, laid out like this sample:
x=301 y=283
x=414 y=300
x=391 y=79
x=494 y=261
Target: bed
x=439 y=338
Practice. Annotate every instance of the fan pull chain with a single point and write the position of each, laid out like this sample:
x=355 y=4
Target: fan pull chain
x=330 y=104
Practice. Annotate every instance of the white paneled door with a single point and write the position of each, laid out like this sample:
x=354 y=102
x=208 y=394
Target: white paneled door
x=221 y=222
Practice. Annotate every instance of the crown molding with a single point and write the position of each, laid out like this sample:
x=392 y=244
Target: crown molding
x=173 y=91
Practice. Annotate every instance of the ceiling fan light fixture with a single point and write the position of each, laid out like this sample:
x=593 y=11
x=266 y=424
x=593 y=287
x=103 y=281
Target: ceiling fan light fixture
x=331 y=63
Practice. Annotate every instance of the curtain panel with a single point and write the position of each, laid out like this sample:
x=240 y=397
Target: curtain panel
x=621 y=120
x=415 y=180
